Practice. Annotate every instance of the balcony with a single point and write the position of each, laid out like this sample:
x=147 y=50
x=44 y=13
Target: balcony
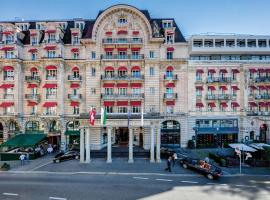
x=218 y=80
x=257 y=113
x=262 y=79
x=74 y=78
x=8 y=96
x=262 y=96
x=219 y=97
x=117 y=77
x=50 y=113
x=8 y=78
x=170 y=96
x=33 y=97
x=171 y=78
x=74 y=96
x=51 y=96
x=32 y=78
x=122 y=57
x=121 y=96
x=122 y=41
x=51 y=78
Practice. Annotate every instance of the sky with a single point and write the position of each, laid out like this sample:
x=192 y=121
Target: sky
x=192 y=16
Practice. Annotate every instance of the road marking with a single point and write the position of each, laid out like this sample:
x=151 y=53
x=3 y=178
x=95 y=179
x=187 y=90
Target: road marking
x=10 y=194
x=245 y=186
x=41 y=166
x=57 y=198
x=143 y=178
x=189 y=182
x=161 y=179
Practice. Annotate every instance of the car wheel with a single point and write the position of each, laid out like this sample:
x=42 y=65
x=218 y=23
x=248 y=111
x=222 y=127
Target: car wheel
x=185 y=166
x=57 y=161
x=77 y=157
x=210 y=176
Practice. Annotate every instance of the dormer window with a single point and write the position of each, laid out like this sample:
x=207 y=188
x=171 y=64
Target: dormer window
x=40 y=26
x=167 y=24
x=79 y=25
x=23 y=27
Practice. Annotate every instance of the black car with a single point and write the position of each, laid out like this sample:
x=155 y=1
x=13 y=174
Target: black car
x=69 y=155
x=210 y=171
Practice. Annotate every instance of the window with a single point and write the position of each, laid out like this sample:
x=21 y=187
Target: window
x=109 y=55
x=33 y=110
x=33 y=56
x=136 y=109
x=76 y=40
x=152 y=54
x=122 y=73
x=9 y=39
x=122 y=21
x=51 y=75
x=93 y=55
x=51 y=93
x=93 y=71
x=198 y=76
x=51 y=110
x=9 y=110
x=122 y=55
x=234 y=76
x=9 y=75
x=169 y=109
x=51 y=54
x=108 y=91
x=136 y=91
x=152 y=90
x=79 y=25
x=9 y=54
x=76 y=110
x=93 y=90
x=152 y=108
x=34 y=40
x=152 y=71
x=122 y=91
x=169 y=55
x=109 y=109
x=122 y=109
x=169 y=39
x=135 y=73
x=198 y=93
x=51 y=38
x=234 y=108
x=75 y=55
x=169 y=73
x=109 y=74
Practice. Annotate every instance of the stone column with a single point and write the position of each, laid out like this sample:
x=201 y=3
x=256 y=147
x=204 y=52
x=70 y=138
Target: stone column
x=87 y=143
x=109 y=145
x=158 y=146
x=152 y=145
x=130 y=146
x=82 y=145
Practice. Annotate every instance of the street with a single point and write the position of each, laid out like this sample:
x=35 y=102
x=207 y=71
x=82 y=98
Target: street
x=84 y=186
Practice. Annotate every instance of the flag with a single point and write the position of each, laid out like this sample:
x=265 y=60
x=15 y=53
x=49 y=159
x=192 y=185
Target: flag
x=103 y=117
x=248 y=155
x=142 y=117
x=128 y=117
x=92 y=116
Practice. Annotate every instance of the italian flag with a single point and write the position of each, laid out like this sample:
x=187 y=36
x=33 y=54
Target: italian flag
x=103 y=117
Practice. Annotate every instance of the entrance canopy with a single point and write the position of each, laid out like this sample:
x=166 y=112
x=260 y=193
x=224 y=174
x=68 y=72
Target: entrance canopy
x=259 y=145
x=24 y=140
x=242 y=147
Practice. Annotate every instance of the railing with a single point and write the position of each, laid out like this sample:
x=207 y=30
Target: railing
x=54 y=78
x=173 y=77
x=122 y=57
x=219 y=80
x=74 y=78
x=8 y=96
x=262 y=96
x=120 y=96
x=262 y=79
x=219 y=97
x=33 y=78
x=117 y=77
x=51 y=96
x=9 y=78
x=50 y=113
x=122 y=41
x=35 y=97
x=74 y=96
x=257 y=113
x=170 y=95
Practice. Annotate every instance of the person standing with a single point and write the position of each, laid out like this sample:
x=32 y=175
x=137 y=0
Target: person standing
x=174 y=158
x=169 y=164
x=22 y=158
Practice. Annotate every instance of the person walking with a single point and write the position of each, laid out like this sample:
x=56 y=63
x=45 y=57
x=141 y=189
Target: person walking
x=22 y=158
x=169 y=164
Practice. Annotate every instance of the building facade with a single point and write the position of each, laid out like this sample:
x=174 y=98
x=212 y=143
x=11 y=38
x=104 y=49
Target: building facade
x=210 y=88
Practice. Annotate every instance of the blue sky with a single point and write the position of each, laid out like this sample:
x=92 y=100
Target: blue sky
x=192 y=16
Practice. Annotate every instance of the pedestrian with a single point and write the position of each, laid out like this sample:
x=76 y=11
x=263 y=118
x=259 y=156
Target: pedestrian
x=22 y=158
x=174 y=158
x=169 y=164
x=27 y=157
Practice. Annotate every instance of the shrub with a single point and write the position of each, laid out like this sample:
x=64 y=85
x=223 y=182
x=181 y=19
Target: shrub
x=5 y=166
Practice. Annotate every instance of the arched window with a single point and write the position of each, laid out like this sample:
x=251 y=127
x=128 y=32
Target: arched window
x=73 y=126
x=109 y=72
x=32 y=126
x=122 y=72
x=54 y=126
x=13 y=126
x=135 y=72
x=169 y=72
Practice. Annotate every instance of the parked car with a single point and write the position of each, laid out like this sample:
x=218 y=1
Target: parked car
x=209 y=170
x=69 y=155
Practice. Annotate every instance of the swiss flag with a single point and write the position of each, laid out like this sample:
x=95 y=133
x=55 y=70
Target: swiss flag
x=92 y=116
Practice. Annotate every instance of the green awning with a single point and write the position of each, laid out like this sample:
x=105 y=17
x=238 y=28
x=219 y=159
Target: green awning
x=24 y=140
x=72 y=132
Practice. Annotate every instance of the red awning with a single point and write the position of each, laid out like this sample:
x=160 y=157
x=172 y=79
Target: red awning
x=32 y=103
x=74 y=85
x=262 y=104
x=108 y=103
x=135 y=48
x=199 y=105
x=122 y=103
x=268 y=103
x=33 y=50
x=6 y=104
x=75 y=69
x=50 y=31
x=135 y=68
x=235 y=71
x=33 y=34
x=7 y=49
x=170 y=49
x=211 y=104
x=170 y=85
x=32 y=85
x=262 y=87
x=211 y=87
x=33 y=69
x=50 y=48
x=50 y=85
x=75 y=33
x=252 y=70
x=169 y=68
x=108 y=33
x=252 y=104
x=267 y=70
x=50 y=104
x=122 y=85
x=74 y=50
x=108 y=85
x=8 y=32
x=108 y=49
x=235 y=104
x=234 y=87
x=211 y=71
x=135 y=85
x=223 y=104
x=199 y=87
x=7 y=85
x=122 y=32
x=223 y=87
x=135 y=103
x=223 y=71
x=51 y=67
x=261 y=70
x=200 y=71
x=135 y=32
x=267 y=87
x=122 y=68
x=74 y=103
x=170 y=103
x=109 y=68
x=122 y=49
x=8 y=68
x=253 y=87
x=170 y=32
